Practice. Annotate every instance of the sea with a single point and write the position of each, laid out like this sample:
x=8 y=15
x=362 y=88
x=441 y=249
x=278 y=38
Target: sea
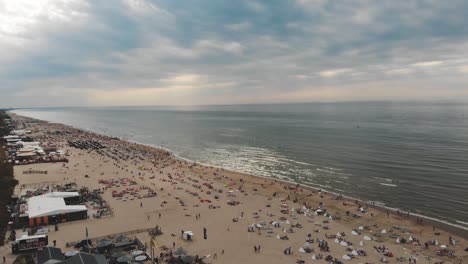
x=407 y=155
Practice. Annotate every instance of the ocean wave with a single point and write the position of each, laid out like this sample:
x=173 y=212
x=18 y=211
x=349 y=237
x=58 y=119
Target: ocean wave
x=388 y=184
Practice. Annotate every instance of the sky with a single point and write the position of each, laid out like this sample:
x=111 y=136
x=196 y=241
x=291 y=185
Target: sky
x=195 y=52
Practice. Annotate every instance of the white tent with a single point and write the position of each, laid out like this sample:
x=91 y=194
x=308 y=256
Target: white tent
x=188 y=235
x=52 y=204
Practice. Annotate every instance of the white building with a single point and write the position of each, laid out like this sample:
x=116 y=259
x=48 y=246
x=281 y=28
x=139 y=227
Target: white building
x=52 y=208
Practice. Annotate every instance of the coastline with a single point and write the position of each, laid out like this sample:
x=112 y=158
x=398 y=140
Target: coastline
x=438 y=223
x=258 y=200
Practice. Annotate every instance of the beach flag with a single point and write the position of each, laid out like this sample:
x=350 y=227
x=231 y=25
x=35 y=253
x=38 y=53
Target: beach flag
x=154 y=243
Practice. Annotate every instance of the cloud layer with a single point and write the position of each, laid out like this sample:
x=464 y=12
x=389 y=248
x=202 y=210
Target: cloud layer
x=142 y=52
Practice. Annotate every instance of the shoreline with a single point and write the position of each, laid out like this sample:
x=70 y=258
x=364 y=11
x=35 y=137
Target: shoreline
x=438 y=223
x=193 y=197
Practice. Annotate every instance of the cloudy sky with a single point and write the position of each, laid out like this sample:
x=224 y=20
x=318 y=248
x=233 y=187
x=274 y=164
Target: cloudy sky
x=189 y=52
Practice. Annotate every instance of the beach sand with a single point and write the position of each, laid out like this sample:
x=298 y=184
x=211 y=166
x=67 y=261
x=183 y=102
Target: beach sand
x=180 y=182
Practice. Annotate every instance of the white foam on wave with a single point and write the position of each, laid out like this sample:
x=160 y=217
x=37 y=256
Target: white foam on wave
x=461 y=222
x=388 y=184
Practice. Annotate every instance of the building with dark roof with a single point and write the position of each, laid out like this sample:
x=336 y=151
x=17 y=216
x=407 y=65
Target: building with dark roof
x=84 y=258
x=52 y=255
x=49 y=253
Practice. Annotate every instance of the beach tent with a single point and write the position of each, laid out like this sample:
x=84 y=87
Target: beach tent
x=188 y=235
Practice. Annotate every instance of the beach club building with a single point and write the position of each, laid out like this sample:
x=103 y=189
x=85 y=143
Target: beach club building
x=54 y=207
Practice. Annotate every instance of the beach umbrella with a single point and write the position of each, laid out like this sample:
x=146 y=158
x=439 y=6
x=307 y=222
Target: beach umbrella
x=361 y=243
x=301 y=250
x=137 y=253
x=125 y=259
x=140 y=258
x=188 y=259
x=103 y=243
x=117 y=255
x=70 y=254
x=346 y=257
x=343 y=243
x=354 y=253
x=354 y=233
x=121 y=238
x=367 y=238
x=180 y=251
x=383 y=231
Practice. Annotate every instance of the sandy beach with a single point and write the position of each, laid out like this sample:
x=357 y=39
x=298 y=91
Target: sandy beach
x=191 y=197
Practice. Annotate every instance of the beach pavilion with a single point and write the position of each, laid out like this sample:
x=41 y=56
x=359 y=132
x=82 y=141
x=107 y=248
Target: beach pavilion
x=53 y=208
